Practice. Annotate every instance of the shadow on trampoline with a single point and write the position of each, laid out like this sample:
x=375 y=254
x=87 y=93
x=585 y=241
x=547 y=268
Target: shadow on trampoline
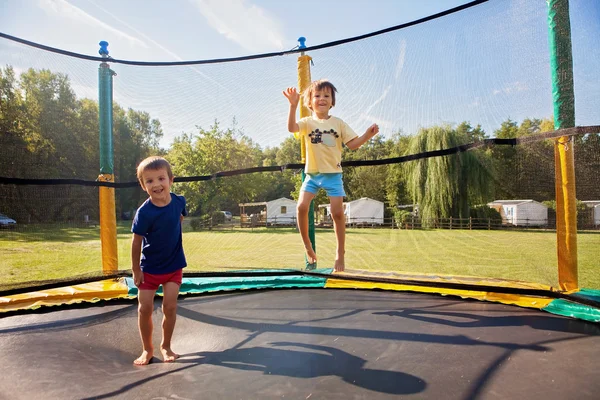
x=318 y=361
x=293 y=327
x=96 y=319
x=472 y=320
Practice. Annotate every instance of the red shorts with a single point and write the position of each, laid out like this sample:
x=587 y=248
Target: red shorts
x=153 y=281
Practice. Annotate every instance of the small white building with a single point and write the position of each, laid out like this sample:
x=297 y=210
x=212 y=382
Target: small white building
x=521 y=212
x=364 y=211
x=281 y=211
x=595 y=206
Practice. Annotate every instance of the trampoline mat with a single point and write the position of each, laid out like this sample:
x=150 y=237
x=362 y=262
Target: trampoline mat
x=304 y=344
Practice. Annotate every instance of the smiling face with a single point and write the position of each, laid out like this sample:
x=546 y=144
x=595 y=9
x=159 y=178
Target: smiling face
x=157 y=183
x=320 y=97
x=321 y=102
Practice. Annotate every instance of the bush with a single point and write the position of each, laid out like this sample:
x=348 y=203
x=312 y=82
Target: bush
x=217 y=217
x=199 y=223
x=484 y=212
x=401 y=217
x=196 y=223
x=585 y=214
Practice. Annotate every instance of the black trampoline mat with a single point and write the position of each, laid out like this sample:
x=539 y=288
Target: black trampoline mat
x=305 y=344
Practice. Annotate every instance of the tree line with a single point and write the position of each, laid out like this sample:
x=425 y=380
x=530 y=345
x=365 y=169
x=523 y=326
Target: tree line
x=47 y=132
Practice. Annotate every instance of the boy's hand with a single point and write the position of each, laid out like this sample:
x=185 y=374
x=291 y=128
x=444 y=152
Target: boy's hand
x=373 y=130
x=292 y=95
x=138 y=277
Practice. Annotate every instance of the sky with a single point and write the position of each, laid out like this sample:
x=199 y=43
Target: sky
x=445 y=71
x=161 y=30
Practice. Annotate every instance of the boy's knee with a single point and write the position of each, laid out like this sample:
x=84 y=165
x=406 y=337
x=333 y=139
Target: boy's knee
x=337 y=215
x=302 y=208
x=145 y=309
x=169 y=309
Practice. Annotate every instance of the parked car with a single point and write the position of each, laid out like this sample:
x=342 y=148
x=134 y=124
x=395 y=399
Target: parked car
x=6 y=222
x=227 y=215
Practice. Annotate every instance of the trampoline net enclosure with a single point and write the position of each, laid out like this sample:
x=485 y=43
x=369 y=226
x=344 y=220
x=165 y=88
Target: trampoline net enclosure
x=477 y=74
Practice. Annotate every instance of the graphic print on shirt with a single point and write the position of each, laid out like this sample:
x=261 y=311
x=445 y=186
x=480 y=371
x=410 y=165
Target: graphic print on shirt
x=325 y=137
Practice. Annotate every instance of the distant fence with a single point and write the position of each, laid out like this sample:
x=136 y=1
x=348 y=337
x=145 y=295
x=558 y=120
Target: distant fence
x=207 y=223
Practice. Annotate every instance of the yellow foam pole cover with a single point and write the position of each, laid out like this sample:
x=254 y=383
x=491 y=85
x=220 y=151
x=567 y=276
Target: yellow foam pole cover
x=108 y=227
x=303 y=84
x=566 y=214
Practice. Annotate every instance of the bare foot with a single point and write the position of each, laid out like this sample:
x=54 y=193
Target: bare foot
x=339 y=266
x=144 y=359
x=169 y=355
x=311 y=256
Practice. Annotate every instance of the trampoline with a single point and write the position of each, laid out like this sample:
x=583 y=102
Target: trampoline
x=253 y=323
x=306 y=343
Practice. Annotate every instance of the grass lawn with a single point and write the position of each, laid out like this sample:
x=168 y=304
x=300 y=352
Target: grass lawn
x=51 y=252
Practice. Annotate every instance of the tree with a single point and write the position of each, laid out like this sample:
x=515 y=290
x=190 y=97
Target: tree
x=367 y=181
x=211 y=151
x=46 y=132
x=525 y=171
x=56 y=143
x=136 y=135
x=12 y=135
x=281 y=184
x=472 y=134
x=396 y=184
x=505 y=164
x=445 y=186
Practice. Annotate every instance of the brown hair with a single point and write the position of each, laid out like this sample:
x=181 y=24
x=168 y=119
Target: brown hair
x=319 y=85
x=153 y=163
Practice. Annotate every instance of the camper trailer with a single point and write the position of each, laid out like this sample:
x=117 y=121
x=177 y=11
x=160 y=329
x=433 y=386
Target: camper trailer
x=521 y=212
x=364 y=211
x=281 y=211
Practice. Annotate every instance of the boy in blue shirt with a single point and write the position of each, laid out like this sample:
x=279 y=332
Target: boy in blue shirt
x=157 y=256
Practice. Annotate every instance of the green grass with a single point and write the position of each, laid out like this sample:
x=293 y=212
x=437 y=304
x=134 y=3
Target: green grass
x=42 y=253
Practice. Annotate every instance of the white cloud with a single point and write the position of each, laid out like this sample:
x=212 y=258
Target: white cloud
x=244 y=23
x=385 y=126
x=475 y=103
x=401 y=56
x=85 y=91
x=64 y=9
x=379 y=100
x=154 y=42
x=512 y=87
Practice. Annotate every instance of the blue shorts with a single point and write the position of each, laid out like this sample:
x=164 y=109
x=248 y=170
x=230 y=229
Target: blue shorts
x=332 y=183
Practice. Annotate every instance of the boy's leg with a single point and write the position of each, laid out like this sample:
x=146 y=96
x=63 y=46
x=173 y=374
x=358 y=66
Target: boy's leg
x=302 y=216
x=339 y=225
x=145 y=308
x=169 y=307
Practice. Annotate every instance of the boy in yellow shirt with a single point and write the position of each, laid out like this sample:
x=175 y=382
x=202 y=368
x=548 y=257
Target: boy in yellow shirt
x=323 y=135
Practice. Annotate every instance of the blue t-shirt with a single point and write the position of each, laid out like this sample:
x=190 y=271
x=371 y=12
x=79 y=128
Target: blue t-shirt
x=162 y=246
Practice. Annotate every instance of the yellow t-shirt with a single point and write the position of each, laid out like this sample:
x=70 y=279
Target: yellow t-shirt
x=323 y=139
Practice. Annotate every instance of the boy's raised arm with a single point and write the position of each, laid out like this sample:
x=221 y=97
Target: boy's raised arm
x=294 y=98
x=360 y=140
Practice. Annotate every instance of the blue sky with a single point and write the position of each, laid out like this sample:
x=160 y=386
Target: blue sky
x=159 y=30
x=483 y=65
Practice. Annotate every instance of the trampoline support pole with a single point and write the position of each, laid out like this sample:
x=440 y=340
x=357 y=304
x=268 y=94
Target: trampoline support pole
x=304 y=81
x=108 y=217
x=561 y=67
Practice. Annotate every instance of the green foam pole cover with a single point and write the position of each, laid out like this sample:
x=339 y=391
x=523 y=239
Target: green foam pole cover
x=311 y=222
x=105 y=97
x=561 y=63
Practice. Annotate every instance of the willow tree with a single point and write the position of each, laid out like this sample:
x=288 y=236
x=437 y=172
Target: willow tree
x=446 y=186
